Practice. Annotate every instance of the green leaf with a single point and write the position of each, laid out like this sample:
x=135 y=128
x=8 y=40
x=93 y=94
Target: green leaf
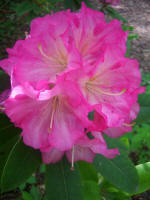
x=117 y=143
x=23 y=7
x=143 y=171
x=87 y=171
x=112 y=193
x=144 y=100
x=91 y=115
x=43 y=168
x=127 y=28
x=35 y=193
x=144 y=114
x=22 y=161
x=62 y=182
x=114 y=14
x=91 y=190
x=31 y=180
x=133 y=36
x=8 y=137
x=26 y=196
x=128 y=48
x=119 y=171
x=89 y=178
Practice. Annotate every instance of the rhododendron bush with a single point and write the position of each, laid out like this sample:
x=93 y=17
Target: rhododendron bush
x=73 y=93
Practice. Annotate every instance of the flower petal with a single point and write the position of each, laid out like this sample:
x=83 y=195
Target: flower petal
x=52 y=156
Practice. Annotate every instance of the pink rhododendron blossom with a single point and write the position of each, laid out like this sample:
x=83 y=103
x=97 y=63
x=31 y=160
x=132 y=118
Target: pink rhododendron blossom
x=61 y=43
x=111 y=87
x=84 y=149
x=56 y=120
x=71 y=64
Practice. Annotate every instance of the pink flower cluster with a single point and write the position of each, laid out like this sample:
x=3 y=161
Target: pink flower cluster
x=70 y=65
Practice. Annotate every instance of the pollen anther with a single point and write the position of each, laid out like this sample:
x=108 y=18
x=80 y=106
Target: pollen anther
x=129 y=125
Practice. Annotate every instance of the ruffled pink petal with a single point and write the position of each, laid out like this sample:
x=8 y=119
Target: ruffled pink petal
x=13 y=57
x=91 y=34
x=67 y=127
x=47 y=57
x=86 y=149
x=26 y=113
x=52 y=156
x=81 y=153
x=98 y=145
x=125 y=127
x=55 y=24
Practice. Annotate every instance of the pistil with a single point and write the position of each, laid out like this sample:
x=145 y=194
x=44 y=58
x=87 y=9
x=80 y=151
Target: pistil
x=72 y=163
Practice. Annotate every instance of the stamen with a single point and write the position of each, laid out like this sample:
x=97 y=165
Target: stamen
x=129 y=125
x=62 y=63
x=54 y=106
x=94 y=87
x=42 y=52
x=72 y=163
x=109 y=93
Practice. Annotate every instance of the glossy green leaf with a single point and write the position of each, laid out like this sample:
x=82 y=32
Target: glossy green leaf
x=119 y=171
x=35 y=193
x=87 y=171
x=91 y=191
x=117 y=143
x=89 y=179
x=133 y=36
x=26 y=196
x=62 y=182
x=144 y=100
x=8 y=137
x=143 y=171
x=22 y=161
x=144 y=114
x=128 y=48
x=110 y=192
x=127 y=28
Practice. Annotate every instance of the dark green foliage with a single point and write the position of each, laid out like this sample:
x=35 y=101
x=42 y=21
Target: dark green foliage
x=62 y=182
x=144 y=177
x=21 y=162
x=4 y=81
x=118 y=170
